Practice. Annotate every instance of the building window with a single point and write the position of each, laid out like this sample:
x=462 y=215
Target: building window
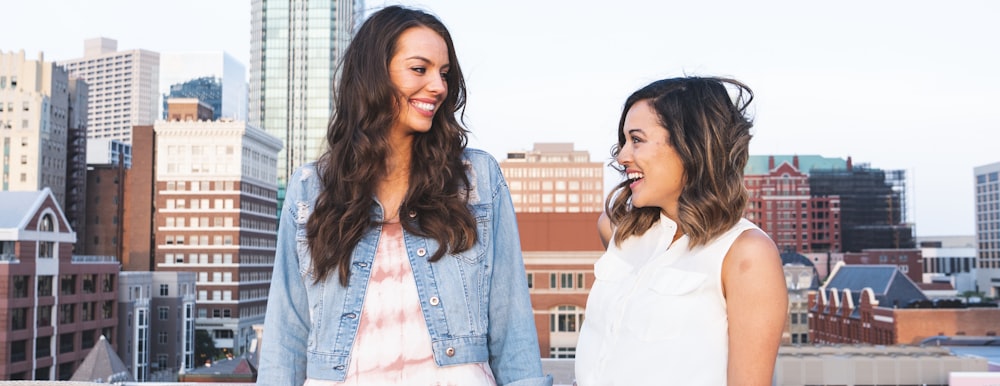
x=164 y=290
x=43 y=346
x=565 y=319
x=163 y=312
x=46 y=249
x=67 y=285
x=531 y=280
x=161 y=337
x=19 y=286
x=66 y=313
x=18 y=351
x=18 y=319
x=67 y=343
x=44 y=317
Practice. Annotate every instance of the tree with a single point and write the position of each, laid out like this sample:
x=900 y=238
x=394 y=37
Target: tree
x=204 y=347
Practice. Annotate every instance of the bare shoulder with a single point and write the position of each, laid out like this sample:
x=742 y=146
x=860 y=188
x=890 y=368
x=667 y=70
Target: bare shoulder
x=752 y=244
x=753 y=253
x=604 y=228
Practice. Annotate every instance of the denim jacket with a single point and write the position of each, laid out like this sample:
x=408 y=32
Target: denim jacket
x=475 y=303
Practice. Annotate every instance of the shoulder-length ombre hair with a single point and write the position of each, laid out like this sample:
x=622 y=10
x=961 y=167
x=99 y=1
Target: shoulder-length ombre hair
x=366 y=106
x=710 y=131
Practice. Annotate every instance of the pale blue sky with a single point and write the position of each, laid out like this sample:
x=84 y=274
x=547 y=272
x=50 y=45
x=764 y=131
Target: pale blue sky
x=898 y=84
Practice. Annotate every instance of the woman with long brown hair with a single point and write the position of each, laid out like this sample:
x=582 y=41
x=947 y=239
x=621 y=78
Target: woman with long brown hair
x=398 y=258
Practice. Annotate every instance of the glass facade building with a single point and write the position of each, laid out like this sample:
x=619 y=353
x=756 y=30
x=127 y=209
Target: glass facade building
x=295 y=49
x=214 y=77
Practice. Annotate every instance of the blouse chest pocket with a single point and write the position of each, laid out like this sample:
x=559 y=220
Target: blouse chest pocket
x=669 y=305
x=483 y=215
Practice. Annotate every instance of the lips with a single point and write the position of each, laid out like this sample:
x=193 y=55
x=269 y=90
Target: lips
x=635 y=177
x=423 y=107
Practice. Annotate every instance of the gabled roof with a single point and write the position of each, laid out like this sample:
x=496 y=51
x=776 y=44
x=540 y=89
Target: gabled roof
x=18 y=207
x=758 y=164
x=793 y=258
x=891 y=287
x=102 y=365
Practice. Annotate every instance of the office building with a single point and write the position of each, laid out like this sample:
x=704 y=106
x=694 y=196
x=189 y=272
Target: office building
x=122 y=87
x=56 y=305
x=214 y=77
x=988 y=229
x=215 y=194
x=872 y=205
x=156 y=330
x=40 y=125
x=553 y=177
x=295 y=48
x=782 y=205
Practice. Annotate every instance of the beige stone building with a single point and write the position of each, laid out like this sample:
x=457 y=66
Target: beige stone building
x=553 y=177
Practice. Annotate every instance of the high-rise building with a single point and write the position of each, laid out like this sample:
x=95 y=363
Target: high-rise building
x=215 y=194
x=122 y=87
x=40 y=106
x=214 y=77
x=295 y=48
x=553 y=177
x=988 y=228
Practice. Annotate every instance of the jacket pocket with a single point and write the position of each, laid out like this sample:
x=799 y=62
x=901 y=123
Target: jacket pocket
x=484 y=225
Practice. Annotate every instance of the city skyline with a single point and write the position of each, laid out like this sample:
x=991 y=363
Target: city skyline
x=898 y=85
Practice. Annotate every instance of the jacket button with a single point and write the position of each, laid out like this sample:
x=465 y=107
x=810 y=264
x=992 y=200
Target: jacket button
x=351 y=315
x=413 y=213
x=450 y=351
x=435 y=301
x=421 y=252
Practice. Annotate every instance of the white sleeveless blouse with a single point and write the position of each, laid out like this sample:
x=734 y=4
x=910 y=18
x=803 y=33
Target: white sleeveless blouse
x=656 y=314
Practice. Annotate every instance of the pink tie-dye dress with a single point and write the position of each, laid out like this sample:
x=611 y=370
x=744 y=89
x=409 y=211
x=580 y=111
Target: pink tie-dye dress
x=393 y=346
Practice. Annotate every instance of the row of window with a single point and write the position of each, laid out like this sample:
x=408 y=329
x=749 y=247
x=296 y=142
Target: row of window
x=563 y=172
x=19 y=284
x=66 y=314
x=565 y=280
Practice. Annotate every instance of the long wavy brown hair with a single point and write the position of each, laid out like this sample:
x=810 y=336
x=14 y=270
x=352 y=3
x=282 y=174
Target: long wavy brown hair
x=358 y=149
x=710 y=131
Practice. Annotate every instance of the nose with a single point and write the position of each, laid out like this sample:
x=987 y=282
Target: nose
x=624 y=155
x=437 y=85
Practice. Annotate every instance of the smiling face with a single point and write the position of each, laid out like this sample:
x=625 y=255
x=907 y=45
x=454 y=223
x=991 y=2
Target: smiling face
x=653 y=167
x=418 y=70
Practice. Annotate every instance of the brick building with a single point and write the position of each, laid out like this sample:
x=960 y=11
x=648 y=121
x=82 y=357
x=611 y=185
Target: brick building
x=909 y=261
x=880 y=305
x=559 y=254
x=54 y=306
x=782 y=205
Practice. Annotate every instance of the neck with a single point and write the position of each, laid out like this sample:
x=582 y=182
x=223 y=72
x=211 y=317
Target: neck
x=392 y=189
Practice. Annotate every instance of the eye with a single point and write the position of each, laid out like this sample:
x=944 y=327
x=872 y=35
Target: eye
x=444 y=75
x=635 y=139
x=419 y=70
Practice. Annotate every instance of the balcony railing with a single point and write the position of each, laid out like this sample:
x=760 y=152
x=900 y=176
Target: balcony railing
x=9 y=258
x=94 y=259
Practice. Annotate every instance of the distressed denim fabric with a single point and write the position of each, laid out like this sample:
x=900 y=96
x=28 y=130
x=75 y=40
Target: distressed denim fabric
x=475 y=303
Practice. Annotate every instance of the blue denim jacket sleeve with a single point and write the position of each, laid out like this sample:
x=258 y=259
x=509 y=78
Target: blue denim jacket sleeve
x=512 y=338
x=287 y=320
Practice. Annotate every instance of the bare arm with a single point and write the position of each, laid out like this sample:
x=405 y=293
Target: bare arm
x=604 y=228
x=757 y=305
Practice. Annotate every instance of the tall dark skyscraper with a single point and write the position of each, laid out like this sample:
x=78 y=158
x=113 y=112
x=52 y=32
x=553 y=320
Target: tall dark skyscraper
x=872 y=206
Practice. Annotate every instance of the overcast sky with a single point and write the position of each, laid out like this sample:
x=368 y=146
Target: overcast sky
x=897 y=84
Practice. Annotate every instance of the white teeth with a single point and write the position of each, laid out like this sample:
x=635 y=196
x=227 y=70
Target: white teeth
x=424 y=106
x=635 y=175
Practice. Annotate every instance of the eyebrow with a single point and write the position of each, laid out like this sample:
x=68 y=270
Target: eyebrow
x=425 y=60
x=630 y=131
